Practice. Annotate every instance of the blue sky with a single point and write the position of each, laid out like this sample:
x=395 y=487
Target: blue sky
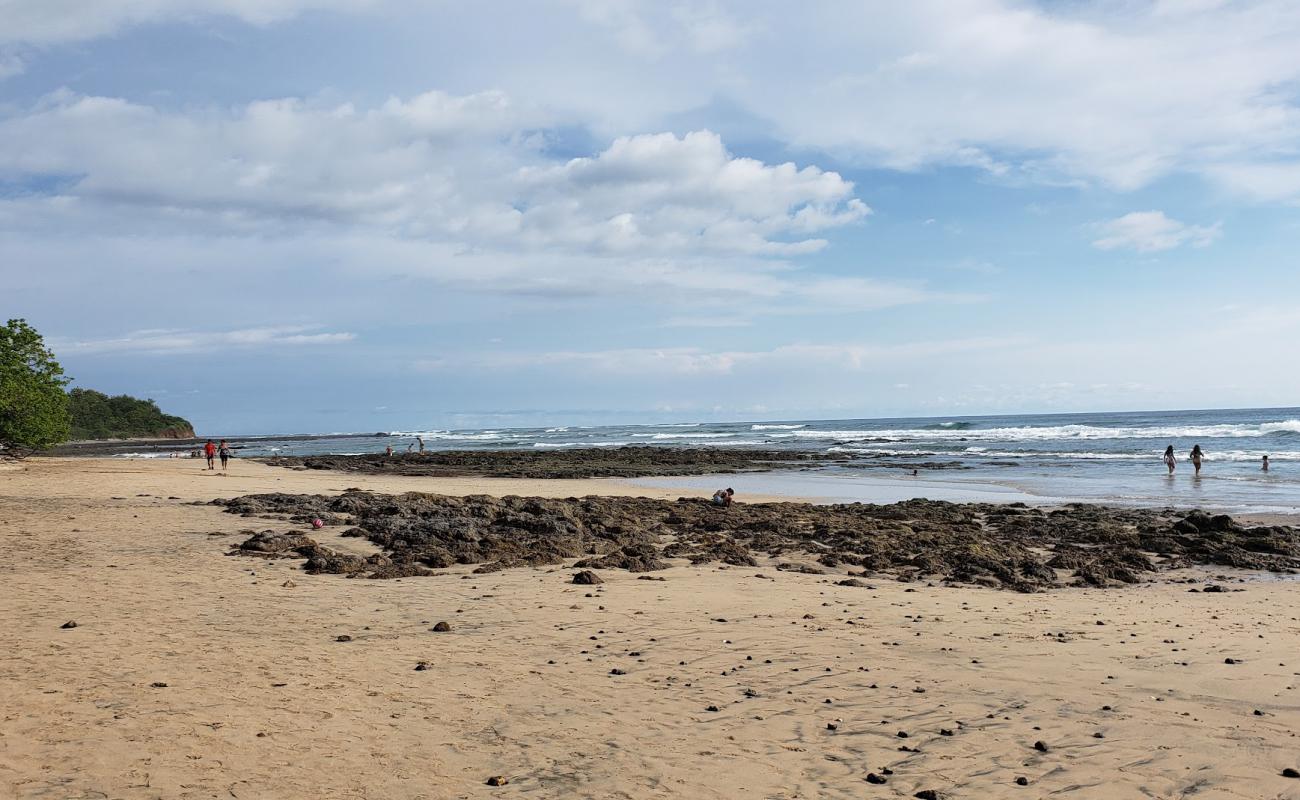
x=327 y=215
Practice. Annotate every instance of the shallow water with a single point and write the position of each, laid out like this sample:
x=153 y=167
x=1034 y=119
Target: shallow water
x=1110 y=457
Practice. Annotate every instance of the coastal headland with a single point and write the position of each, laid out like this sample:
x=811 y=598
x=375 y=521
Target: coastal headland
x=140 y=660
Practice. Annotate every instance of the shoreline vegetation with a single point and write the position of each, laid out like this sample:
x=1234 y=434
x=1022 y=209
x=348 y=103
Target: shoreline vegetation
x=96 y=416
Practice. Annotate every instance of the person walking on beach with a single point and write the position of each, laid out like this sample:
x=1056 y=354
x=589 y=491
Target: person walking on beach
x=1197 y=455
x=1170 y=459
x=210 y=452
x=224 y=452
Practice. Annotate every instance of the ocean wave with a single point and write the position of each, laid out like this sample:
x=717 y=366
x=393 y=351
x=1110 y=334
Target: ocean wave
x=666 y=436
x=1153 y=456
x=950 y=426
x=580 y=444
x=1059 y=432
x=776 y=427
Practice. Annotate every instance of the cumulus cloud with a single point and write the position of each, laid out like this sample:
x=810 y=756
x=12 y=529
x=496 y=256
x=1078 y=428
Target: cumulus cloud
x=160 y=342
x=456 y=190
x=1057 y=93
x=437 y=166
x=1152 y=231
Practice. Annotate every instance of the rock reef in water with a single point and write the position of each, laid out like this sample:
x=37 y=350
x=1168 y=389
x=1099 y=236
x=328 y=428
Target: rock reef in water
x=587 y=462
x=1001 y=546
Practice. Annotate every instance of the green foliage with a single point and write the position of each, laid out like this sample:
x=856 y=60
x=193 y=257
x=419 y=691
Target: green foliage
x=95 y=415
x=33 y=405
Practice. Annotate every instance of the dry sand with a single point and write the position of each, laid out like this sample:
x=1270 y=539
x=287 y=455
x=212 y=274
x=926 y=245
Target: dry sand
x=261 y=701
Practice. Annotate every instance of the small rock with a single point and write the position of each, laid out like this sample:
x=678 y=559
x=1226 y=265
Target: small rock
x=158 y=685
x=587 y=578
x=422 y=666
x=68 y=624
x=874 y=778
x=1041 y=746
x=1022 y=781
x=1231 y=661
x=441 y=627
x=927 y=794
x=1289 y=772
x=343 y=637
x=498 y=780
x=617 y=671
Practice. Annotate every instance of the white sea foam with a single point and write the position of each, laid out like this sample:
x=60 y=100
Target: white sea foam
x=1058 y=432
x=1153 y=456
x=667 y=436
x=776 y=427
x=580 y=444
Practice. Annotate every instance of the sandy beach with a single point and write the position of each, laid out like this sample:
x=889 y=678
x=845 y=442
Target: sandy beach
x=192 y=674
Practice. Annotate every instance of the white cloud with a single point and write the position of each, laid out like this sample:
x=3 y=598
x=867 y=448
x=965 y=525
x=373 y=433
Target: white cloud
x=1152 y=231
x=181 y=341
x=643 y=361
x=56 y=21
x=1117 y=94
x=450 y=189
x=435 y=167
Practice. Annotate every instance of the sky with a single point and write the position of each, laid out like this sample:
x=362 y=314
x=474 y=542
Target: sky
x=373 y=215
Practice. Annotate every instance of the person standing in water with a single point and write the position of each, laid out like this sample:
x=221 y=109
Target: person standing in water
x=1264 y=468
x=420 y=439
x=224 y=452
x=1197 y=455
x=1170 y=458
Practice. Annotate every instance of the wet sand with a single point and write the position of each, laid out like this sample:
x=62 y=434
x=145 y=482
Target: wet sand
x=262 y=700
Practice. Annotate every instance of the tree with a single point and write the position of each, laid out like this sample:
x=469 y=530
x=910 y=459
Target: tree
x=33 y=405
x=95 y=415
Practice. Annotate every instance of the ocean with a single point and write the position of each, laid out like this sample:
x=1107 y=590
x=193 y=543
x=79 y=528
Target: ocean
x=1041 y=458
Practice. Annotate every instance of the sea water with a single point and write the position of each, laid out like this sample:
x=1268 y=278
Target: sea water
x=1110 y=457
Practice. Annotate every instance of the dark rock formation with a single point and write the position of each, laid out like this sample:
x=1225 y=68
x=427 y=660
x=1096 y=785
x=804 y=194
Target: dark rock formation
x=1003 y=546
x=592 y=462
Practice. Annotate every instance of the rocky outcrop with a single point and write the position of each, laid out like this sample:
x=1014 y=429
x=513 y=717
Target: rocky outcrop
x=590 y=462
x=1006 y=546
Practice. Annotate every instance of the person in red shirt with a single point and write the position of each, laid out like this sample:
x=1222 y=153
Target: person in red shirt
x=210 y=450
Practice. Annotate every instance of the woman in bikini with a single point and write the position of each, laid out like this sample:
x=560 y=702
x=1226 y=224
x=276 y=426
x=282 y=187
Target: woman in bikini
x=1170 y=458
x=1197 y=455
